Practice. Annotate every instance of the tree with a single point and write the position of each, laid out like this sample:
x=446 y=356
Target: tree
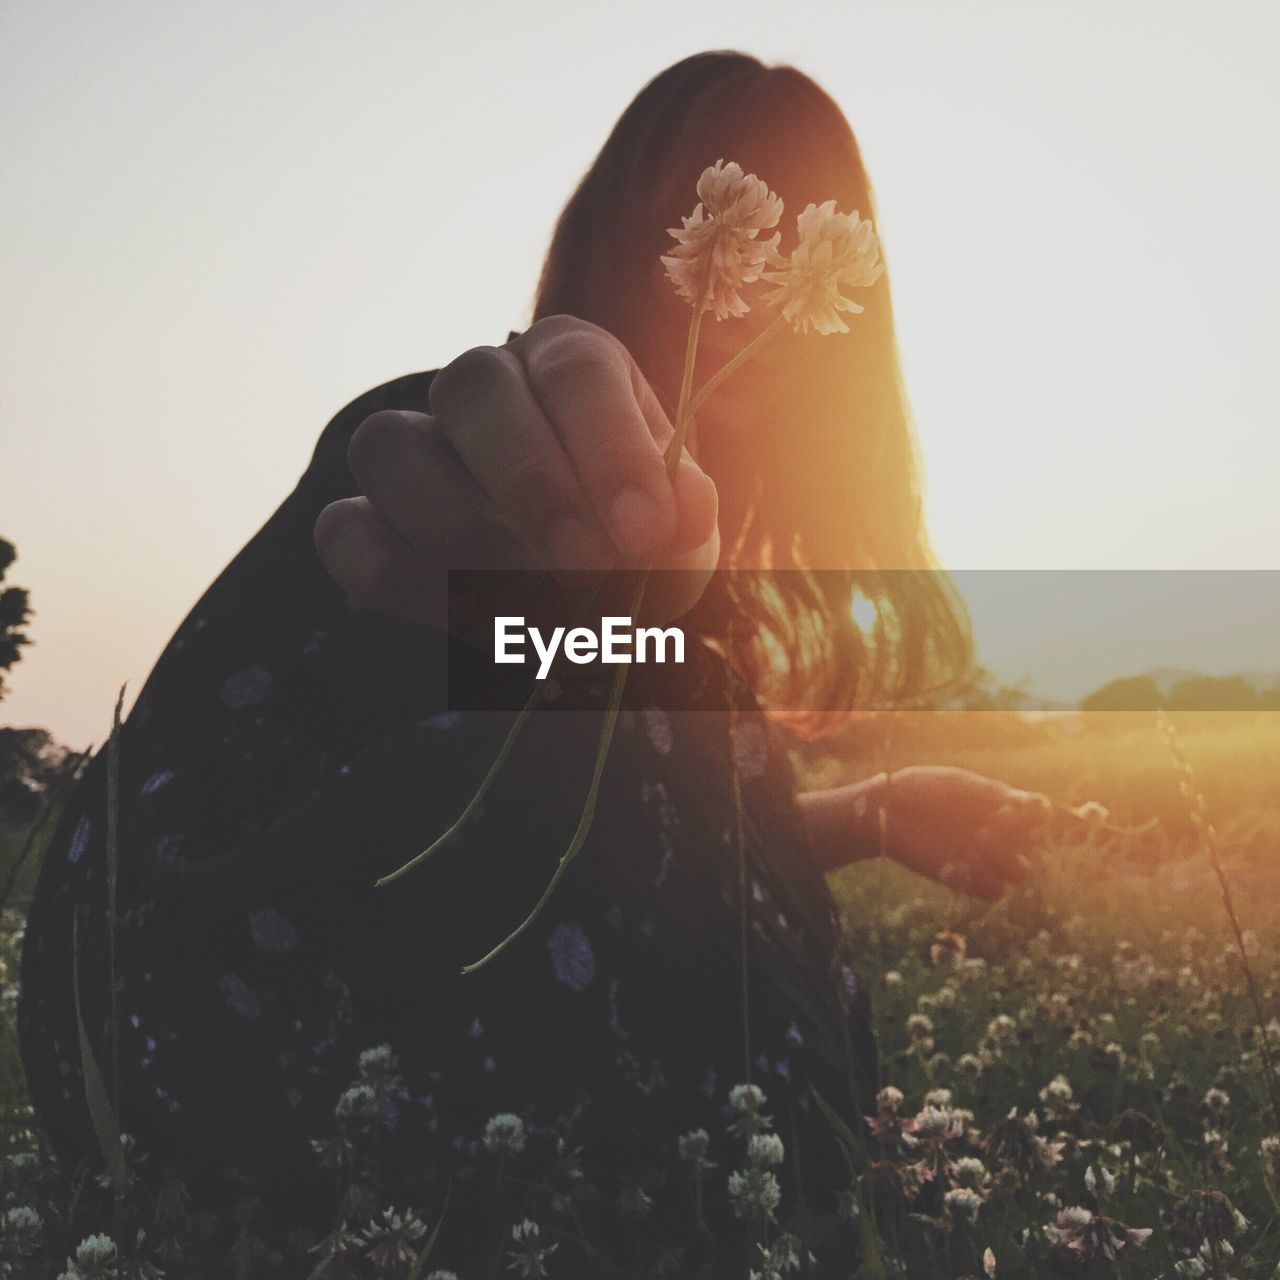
x=1130 y=693
x=15 y=610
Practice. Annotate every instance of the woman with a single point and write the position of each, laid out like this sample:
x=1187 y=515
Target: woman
x=294 y=743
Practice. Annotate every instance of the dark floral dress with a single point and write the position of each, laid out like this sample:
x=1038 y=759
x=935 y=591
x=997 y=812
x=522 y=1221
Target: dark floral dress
x=282 y=755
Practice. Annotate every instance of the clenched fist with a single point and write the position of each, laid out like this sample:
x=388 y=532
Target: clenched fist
x=544 y=453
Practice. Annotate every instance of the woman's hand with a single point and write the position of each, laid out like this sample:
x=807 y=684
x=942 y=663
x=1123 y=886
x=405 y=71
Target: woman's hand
x=544 y=453
x=966 y=830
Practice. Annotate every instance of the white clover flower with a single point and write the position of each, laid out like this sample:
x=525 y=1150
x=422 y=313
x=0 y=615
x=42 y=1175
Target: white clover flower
x=969 y=1064
x=717 y=250
x=1217 y=1100
x=1057 y=1092
x=938 y=1098
x=836 y=251
x=379 y=1060
x=528 y=1257
x=889 y=1100
x=694 y=1146
x=937 y=1123
x=754 y=1193
x=1092 y=1237
x=95 y=1258
x=988 y=1262
x=1001 y=1028
x=392 y=1240
x=963 y=1202
x=358 y=1102
x=969 y=1172
x=746 y=1098
x=893 y=979
x=504 y=1134
x=765 y=1149
x=919 y=1025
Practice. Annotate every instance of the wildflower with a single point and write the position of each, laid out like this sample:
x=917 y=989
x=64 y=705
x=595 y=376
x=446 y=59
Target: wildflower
x=504 y=1135
x=893 y=979
x=746 y=1100
x=937 y=1124
x=1217 y=1101
x=765 y=1149
x=836 y=250
x=95 y=1259
x=938 y=1098
x=528 y=1255
x=969 y=1064
x=717 y=250
x=988 y=1262
x=969 y=1172
x=391 y=1241
x=1208 y=1215
x=889 y=1100
x=919 y=1025
x=754 y=1193
x=359 y=1102
x=1001 y=1029
x=23 y=1228
x=1269 y=1150
x=694 y=1146
x=1090 y=1236
x=963 y=1203
x=1057 y=1092
x=378 y=1063
x=1014 y=1140
x=1206 y=1261
x=1091 y=1179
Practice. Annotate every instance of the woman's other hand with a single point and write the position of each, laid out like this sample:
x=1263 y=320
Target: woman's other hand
x=545 y=453
x=961 y=828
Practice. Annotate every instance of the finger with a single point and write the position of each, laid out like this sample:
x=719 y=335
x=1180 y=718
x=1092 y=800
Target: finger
x=587 y=391
x=698 y=508
x=483 y=404
x=409 y=472
x=370 y=561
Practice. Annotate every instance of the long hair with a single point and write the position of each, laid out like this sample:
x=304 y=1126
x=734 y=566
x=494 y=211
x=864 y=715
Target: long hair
x=832 y=493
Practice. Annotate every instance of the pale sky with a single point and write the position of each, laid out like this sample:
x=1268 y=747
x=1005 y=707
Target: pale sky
x=219 y=222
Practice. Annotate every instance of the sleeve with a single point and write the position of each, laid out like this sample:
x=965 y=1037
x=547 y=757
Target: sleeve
x=282 y=712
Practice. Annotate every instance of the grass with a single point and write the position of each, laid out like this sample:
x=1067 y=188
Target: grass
x=1089 y=1039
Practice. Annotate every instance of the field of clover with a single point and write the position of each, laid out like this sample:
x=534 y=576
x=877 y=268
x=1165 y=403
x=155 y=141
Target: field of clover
x=1074 y=1086
x=1079 y=1080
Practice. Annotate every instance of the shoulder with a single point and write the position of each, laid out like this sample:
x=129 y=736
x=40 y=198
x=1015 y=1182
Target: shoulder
x=408 y=392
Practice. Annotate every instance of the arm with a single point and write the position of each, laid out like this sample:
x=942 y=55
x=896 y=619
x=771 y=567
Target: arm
x=952 y=825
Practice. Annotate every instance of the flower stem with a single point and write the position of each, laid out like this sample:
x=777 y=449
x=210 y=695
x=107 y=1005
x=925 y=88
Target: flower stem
x=588 y=809
x=672 y=458
x=745 y=354
x=474 y=803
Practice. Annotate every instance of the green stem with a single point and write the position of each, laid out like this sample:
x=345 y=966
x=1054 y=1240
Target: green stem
x=473 y=805
x=481 y=791
x=744 y=355
x=588 y=809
